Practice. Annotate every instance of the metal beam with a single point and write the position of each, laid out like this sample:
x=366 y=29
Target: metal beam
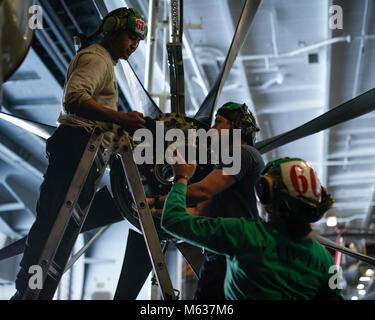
x=351 y=182
x=20 y=103
x=13 y=206
x=52 y=50
x=287 y=109
x=295 y=52
x=346 y=193
x=267 y=88
x=23 y=76
x=57 y=28
x=10 y=157
x=7 y=230
x=353 y=131
x=353 y=204
x=365 y=152
x=353 y=175
x=71 y=17
x=340 y=163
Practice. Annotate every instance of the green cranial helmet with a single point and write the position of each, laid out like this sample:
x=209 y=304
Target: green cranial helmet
x=242 y=118
x=125 y=19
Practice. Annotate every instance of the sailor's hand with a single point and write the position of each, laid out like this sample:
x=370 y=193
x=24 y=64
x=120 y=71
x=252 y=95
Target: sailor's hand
x=156 y=212
x=181 y=168
x=131 y=121
x=151 y=202
x=157 y=202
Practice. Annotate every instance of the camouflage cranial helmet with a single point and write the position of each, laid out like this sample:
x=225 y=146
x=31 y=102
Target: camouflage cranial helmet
x=242 y=118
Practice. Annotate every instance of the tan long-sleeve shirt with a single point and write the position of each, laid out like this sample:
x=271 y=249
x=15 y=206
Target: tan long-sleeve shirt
x=90 y=76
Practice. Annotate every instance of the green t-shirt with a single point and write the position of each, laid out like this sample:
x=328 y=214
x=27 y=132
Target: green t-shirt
x=263 y=262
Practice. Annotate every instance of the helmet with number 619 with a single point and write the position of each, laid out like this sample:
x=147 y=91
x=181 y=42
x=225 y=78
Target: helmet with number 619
x=290 y=188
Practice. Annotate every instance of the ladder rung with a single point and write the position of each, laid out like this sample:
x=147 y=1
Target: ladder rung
x=77 y=214
x=54 y=270
x=99 y=160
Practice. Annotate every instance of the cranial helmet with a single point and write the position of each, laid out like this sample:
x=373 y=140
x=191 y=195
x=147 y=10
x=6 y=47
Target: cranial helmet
x=116 y=20
x=289 y=187
x=242 y=118
x=125 y=19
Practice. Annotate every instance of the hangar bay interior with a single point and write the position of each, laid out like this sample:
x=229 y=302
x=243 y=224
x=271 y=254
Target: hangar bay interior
x=296 y=63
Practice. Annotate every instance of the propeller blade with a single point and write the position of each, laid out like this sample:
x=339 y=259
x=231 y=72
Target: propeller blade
x=192 y=254
x=103 y=212
x=332 y=245
x=249 y=11
x=135 y=268
x=144 y=100
x=349 y=110
x=13 y=249
x=42 y=130
x=16 y=38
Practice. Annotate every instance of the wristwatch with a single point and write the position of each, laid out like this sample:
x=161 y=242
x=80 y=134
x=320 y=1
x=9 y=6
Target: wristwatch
x=179 y=177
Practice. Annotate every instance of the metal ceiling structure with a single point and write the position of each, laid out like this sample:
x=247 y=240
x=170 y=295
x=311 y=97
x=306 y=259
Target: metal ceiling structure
x=292 y=68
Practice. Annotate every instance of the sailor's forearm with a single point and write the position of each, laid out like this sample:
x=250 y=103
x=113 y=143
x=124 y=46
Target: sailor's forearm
x=92 y=110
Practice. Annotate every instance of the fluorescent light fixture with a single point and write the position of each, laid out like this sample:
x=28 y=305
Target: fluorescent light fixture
x=352 y=246
x=364 y=279
x=360 y=286
x=369 y=272
x=362 y=292
x=354 y=298
x=25 y=125
x=331 y=221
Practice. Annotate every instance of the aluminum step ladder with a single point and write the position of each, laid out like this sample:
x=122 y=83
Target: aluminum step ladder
x=72 y=217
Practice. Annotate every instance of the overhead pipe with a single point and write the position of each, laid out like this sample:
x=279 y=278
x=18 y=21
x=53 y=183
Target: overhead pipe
x=296 y=52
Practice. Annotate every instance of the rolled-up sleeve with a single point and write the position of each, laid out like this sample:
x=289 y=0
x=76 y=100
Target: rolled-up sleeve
x=87 y=76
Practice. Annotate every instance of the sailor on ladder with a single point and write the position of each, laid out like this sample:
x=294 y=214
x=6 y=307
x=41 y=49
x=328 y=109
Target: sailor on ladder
x=90 y=100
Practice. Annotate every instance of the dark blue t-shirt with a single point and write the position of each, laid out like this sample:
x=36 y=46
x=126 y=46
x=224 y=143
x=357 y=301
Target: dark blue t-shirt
x=239 y=200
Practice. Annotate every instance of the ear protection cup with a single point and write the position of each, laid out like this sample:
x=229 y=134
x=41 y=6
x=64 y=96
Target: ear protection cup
x=116 y=20
x=111 y=24
x=263 y=189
